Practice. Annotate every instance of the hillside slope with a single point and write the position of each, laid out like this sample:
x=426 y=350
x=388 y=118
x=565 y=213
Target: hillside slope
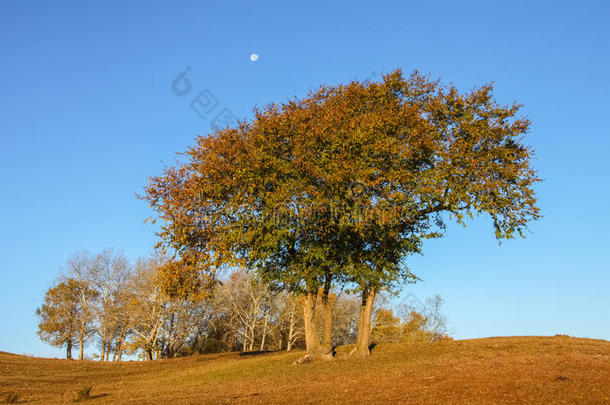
x=493 y=370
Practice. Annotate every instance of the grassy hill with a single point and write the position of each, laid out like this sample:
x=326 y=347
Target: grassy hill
x=539 y=370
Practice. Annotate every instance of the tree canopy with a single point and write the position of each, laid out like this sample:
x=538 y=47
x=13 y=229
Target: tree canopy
x=349 y=176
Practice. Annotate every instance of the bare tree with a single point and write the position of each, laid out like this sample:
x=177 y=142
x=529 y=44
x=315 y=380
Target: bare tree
x=109 y=277
x=423 y=321
x=290 y=321
x=148 y=306
x=345 y=319
x=180 y=324
x=436 y=321
x=244 y=298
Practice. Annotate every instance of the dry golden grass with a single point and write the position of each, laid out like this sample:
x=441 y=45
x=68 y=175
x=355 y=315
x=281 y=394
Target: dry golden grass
x=531 y=370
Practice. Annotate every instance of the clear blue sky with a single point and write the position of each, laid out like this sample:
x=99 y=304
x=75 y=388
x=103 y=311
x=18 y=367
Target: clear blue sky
x=87 y=114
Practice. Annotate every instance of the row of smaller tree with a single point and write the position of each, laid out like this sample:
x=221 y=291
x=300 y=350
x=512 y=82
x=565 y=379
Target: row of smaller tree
x=90 y=299
x=119 y=307
x=410 y=324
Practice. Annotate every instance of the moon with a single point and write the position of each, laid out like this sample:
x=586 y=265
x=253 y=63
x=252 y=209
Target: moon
x=254 y=57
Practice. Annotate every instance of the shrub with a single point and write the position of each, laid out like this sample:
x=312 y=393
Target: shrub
x=11 y=398
x=83 y=394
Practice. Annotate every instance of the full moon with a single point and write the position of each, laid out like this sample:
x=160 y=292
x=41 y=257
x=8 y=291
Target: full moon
x=254 y=57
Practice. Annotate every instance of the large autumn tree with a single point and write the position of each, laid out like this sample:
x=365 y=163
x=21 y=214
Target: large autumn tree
x=342 y=185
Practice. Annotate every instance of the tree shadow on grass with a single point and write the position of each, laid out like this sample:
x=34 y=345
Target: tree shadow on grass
x=99 y=396
x=90 y=397
x=254 y=353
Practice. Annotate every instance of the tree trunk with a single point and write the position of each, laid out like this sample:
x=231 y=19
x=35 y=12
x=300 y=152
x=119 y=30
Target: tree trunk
x=312 y=339
x=252 y=337
x=81 y=342
x=69 y=350
x=108 y=347
x=264 y=333
x=170 y=350
x=120 y=347
x=290 y=336
x=195 y=345
x=364 y=324
x=327 y=316
x=103 y=354
x=149 y=354
x=291 y=329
